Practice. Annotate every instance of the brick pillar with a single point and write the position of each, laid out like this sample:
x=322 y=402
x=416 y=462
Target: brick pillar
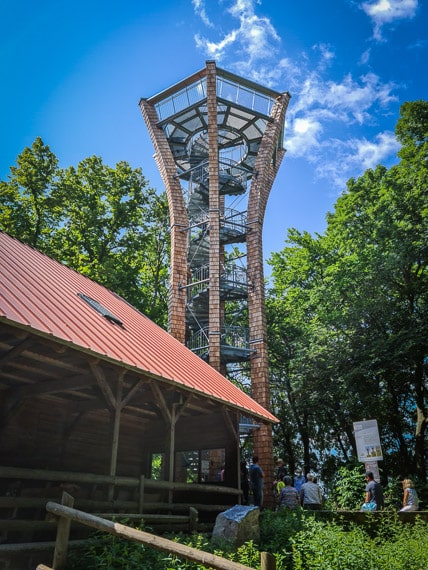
x=214 y=220
x=179 y=222
x=266 y=167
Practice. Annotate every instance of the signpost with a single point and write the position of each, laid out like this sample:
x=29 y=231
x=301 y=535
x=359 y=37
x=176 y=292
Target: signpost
x=368 y=445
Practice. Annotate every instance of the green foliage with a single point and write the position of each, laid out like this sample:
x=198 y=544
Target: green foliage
x=327 y=546
x=112 y=553
x=28 y=206
x=348 y=490
x=106 y=223
x=277 y=529
x=348 y=317
x=297 y=539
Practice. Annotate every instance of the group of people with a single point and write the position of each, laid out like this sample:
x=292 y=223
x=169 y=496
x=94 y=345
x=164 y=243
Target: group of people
x=374 y=500
x=291 y=492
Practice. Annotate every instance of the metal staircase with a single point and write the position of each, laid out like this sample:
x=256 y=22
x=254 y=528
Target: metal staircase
x=233 y=230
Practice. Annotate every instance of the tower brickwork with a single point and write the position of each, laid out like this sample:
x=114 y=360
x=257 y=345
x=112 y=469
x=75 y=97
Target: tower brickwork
x=218 y=147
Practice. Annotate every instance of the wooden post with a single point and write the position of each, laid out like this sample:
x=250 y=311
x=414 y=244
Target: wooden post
x=116 y=430
x=268 y=561
x=141 y=497
x=62 y=535
x=171 y=450
x=193 y=519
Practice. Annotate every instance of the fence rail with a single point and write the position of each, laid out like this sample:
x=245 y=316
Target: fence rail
x=67 y=514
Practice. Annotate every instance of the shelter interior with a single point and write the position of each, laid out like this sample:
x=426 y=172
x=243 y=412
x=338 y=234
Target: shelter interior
x=67 y=413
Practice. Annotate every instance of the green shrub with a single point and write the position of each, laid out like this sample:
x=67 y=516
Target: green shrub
x=277 y=528
x=327 y=546
x=296 y=538
x=348 y=490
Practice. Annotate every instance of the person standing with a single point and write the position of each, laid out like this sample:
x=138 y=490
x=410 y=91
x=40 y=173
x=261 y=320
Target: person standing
x=278 y=482
x=374 y=494
x=281 y=471
x=245 y=486
x=410 y=497
x=289 y=497
x=256 y=479
x=299 y=480
x=310 y=494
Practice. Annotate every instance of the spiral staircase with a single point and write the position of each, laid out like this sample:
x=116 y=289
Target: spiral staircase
x=234 y=344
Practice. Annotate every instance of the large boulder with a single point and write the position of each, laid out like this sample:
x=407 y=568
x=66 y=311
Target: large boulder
x=237 y=525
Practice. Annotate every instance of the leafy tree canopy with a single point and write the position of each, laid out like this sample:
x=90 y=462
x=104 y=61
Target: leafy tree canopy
x=106 y=223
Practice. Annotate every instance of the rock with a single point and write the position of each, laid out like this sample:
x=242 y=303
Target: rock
x=237 y=525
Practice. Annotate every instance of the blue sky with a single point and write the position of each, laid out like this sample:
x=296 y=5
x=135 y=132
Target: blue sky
x=73 y=73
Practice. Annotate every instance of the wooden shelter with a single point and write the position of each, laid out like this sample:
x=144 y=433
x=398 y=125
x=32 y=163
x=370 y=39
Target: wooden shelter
x=89 y=385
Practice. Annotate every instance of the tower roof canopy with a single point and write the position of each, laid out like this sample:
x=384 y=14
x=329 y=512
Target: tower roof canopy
x=243 y=111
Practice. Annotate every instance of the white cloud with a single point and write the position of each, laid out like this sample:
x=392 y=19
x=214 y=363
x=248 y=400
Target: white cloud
x=354 y=156
x=254 y=39
x=305 y=135
x=326 y=116
x=348 y=101
x=199 y=6
x=388 y=11
x=216 y=50
x=371 y=153
x=327 y=54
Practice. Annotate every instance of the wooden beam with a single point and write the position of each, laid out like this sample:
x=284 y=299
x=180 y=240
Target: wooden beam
x=51 y=387
x=116 y=429
x=161 y=401
x=62 y=536
x=15 y=351
x=233 y=428
x=132 y=392
x=102 y=383
x=151 y=540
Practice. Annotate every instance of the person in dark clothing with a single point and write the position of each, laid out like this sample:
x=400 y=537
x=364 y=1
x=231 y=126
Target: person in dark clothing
x=245 y=485
x=374 y=495
x=256 y=478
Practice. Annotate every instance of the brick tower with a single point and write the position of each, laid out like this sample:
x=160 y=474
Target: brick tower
x=218 y=147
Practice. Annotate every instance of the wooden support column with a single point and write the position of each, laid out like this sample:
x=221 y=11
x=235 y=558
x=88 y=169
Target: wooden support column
x=171 y=415
x=116 y=431
x=62 y=536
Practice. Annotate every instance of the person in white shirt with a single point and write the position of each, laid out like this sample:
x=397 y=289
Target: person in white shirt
x=310 y=494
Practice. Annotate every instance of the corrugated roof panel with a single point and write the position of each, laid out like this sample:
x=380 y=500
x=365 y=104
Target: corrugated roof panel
x=40 y=293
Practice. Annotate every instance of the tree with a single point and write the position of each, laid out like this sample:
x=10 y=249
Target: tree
x=349 y=317
x=106 y=223
x=115 y=230
x=27 y=210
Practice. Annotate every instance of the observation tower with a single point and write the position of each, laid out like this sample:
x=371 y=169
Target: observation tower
x=218 y=141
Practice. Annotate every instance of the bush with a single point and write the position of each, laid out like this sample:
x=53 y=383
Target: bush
x=327 y=546
x=277 y=529
x=348 y=490
x=296 y=538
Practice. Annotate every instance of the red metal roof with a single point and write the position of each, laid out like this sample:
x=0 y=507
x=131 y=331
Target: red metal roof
x=41 y=294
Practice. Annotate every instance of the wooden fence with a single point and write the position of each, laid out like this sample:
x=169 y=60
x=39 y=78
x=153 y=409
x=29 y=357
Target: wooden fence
x=161 y=504
x=67 y=513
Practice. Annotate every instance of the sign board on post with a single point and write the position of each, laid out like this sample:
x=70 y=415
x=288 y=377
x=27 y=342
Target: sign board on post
x=368 y=441
x=374 y=468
